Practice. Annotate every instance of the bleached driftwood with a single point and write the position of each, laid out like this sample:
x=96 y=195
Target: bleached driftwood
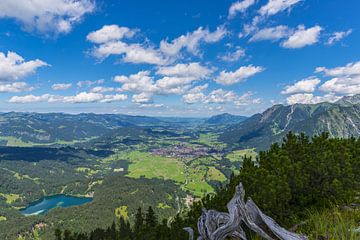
x=213 y=225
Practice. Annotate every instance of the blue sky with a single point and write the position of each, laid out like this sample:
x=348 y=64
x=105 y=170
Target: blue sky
x=176 y=58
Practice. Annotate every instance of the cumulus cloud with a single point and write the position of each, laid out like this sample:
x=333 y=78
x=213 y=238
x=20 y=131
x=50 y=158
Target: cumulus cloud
x=191 y=41
x=29 y=98
x=110 y=40
x=307 y=85
x=239 y=7
x=195 y=95
x=174 y=79
x=89 y=83
x=303 y=37
x=13 y=67
x=61 y=86
x=138 y=83
x=337 y=36
x=151 y=105
x=83 y=97
x=101 y=89
x=193 y=70
x=55 y=16
x=220 y=96
x=351 y=69
x=345 y=80
x=233 y=56
x=309 y=98
x=14 y=87
x=275 y=6
x=272 y=33
x=132 y=53
x=110 y=33
x=246 y=99
x=113 y=98
x=241 y=74
x=142 y=98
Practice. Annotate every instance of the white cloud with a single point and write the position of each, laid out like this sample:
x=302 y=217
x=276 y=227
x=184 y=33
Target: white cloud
x=61 y=86
x=174 y=85
x=14 y=87
x=138 y=83
x=192 y=70
x=114 y=98
x=101 y=89
x=191 y=41
x=57 y=16
x=132 y=53
x=29 y=98
x=110 y=33
x=195 y=97
x=246 y=99
x=233 y=56
x=89 y=83
x=239 y=7
x=351 y=69
x=345 y=80
x=309 y=98
x=337 y=36
x=241 y=74
x=342 y=85
x=142 y=98
x=83 y=97
x=275 y=6
x=220 y=96
x=177 y=80
x=272 y=33
x=13 y=67
x=302 y=37
x=307 y=85
x=151 y=105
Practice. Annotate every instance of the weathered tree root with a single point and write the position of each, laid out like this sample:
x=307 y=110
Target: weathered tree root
x=213 y=225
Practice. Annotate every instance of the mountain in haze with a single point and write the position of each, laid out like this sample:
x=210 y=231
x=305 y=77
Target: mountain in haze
x=45 y=128
x=225 y=118
x=339 y=119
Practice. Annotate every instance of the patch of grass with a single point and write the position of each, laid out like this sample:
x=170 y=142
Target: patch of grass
x=238 y=155
x=15 y=142
x=163 y=206
x=2 y=218
x=143 y=164
x=122 y=212
x=209 y=139
x=197 y=183
x=333 y=224
x=215 y=174
x=86 y=170
x=10 y=198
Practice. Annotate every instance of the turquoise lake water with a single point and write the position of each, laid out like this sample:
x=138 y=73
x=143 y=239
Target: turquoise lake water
x=47 y=203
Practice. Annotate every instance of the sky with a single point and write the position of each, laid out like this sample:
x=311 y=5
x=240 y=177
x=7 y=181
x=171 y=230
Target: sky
x=176 y=58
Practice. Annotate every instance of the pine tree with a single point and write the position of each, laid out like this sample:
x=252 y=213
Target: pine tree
x=58 y=234
x=139 y=224
x=150 y=219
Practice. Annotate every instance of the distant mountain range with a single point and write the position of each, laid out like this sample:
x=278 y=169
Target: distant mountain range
x=225 y=118
x=58 y=127
x=339 y=119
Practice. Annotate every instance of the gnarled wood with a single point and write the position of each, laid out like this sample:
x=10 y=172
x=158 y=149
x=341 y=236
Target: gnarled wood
x=213 y=225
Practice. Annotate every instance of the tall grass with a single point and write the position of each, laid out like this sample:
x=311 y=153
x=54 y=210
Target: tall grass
x=332 y=224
